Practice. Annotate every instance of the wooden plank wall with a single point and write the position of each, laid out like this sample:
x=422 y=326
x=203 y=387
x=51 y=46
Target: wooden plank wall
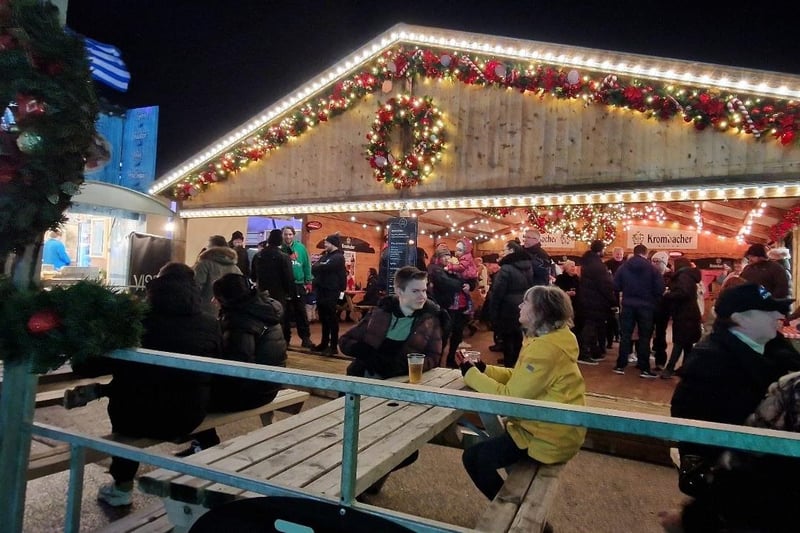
x=503 y=141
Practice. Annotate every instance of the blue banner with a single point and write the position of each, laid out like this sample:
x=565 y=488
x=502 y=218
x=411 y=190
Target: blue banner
x=139 y=151
x=105 y=152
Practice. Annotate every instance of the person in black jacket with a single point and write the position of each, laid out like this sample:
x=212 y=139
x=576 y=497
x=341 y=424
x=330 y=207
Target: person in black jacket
x=372 y=292
x=251 y=333
x=687 y=319
x=595 y=300
x=272 y=272
x=725 y=379
x=508 y=288
x=330 y=281
x=155 y=401
x=242 y=259
x=444 y=289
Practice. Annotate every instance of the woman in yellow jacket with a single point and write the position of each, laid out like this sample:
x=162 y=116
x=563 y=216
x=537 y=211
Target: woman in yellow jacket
x=547 y=370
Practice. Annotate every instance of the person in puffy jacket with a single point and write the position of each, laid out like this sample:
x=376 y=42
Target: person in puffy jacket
x=547 y=370
x=214 y=261
x=251 y=333
x=595 y=299
x=330 y=282
x=686 y=317
x=510 y=283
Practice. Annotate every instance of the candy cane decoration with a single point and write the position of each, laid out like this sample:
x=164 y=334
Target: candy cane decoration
x=473 y=66
x=750 y=125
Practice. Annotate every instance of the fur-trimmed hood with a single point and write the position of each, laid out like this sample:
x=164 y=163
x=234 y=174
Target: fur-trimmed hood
x=219 y=254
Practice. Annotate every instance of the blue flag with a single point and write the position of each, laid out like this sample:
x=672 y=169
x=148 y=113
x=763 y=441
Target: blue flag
x=106 y=65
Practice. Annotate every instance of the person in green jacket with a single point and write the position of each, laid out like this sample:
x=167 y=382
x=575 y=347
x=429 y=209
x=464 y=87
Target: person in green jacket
x=547 y=370
x=301 y=268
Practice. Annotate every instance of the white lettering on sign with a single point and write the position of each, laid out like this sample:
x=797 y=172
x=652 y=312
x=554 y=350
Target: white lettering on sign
x=556 y=240
x=662 y=238
x=140 y=281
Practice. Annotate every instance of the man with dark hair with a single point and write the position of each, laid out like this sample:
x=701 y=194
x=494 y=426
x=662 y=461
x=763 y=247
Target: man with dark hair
x=641 y=286
x=301 y=268
x=595 y=300
x=242 y=260
x=402 y=323
x=272 y=272
x=762 y=271
x=543 y=269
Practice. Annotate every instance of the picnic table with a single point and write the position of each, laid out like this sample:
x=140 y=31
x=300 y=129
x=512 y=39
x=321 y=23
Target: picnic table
x=305 y=451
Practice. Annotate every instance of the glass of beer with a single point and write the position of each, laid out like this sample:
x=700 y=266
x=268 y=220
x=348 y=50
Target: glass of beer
x=415 y=363
x=471 y=356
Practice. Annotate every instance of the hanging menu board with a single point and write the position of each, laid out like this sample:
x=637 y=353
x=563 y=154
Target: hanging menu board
x=402 y=243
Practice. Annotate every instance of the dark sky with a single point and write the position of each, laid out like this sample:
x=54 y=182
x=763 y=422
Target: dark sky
x=210 y=65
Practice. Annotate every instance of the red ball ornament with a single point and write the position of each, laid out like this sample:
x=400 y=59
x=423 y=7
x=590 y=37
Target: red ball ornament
x=43 y=321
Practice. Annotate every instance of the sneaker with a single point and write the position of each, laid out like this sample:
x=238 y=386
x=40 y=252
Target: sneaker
x=633 y=359
x=319 y=347
x=586 y=360
x=465 y=345
x=598 y=357
x=194 y=447
x=647 y=374
x=81 y=395
x=619 y=370
x=306 y=343
x=113 y=496
x=667 y=374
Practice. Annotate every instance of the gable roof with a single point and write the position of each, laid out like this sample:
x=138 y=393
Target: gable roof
x=726 y=94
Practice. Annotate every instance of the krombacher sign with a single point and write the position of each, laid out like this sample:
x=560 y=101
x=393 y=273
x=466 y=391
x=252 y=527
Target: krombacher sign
x=656 y=238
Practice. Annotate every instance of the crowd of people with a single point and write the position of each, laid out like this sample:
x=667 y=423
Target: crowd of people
x=548 y=323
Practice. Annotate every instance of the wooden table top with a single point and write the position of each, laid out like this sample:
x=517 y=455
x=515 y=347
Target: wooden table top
x=305 y=450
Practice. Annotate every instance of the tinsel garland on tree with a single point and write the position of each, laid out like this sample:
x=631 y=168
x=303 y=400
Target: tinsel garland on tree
x=44 y=79
x=46 y=84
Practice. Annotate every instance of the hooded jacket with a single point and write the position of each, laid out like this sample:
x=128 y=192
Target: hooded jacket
x=682 y=301
x=465 y=269
x=639 y=282
x=547 y=370
x=509 y=285
x=155 y=401
x=429 y=326
x=252 y=333
x=596 y=288
x=211 y=265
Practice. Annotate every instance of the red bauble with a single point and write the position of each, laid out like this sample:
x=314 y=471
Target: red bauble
x=43 y=321
x=28 y=106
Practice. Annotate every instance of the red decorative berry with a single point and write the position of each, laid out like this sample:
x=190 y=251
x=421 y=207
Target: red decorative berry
x=43 y=321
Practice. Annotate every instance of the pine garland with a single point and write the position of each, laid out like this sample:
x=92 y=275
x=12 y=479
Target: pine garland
x=41 y=164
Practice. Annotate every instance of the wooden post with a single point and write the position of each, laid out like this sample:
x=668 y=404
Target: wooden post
x=17 y=404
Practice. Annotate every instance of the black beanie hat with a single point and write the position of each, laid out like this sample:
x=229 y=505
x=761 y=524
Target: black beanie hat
x=275 y=238
x=334 y=240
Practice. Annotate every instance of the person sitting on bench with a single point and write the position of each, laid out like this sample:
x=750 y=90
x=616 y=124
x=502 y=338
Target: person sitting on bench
x=252 y=333
x=547 y=369
x=150 y=401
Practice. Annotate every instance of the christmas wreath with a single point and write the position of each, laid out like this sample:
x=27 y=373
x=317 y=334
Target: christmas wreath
x=427 y=130
x=49 y=109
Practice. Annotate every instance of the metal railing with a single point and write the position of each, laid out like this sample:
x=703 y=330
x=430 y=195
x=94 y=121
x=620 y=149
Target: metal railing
x=672 y=429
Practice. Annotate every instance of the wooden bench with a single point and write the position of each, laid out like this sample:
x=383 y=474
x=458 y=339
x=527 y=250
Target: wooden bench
x=305 y=451
x=152 y=519
x=52 y=393
x=522 y=505
x=57 y=459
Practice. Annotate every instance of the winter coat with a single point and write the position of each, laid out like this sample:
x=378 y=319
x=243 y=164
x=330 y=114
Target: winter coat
x=541 y=263
x=596 y=293
x=211 y=265
x=301 y=265
x=157 y=401
x=252 y=333
x=242 y=259
x=367 y=340
x=510 y=283
x=639 y=282
x=724 y=380
x=682 y=301
x=547 y=370
x=443 y=288
x=371 y=292
x=273 y=272
x=465 y=268
x=771 y=275
x=330 y=276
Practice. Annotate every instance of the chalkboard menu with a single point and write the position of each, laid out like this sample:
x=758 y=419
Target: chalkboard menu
x=402 y=242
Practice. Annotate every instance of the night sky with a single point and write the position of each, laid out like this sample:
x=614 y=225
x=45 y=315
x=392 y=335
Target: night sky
x=211 y=65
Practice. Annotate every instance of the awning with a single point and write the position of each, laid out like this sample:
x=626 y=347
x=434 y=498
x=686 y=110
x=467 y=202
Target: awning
x=102 y=194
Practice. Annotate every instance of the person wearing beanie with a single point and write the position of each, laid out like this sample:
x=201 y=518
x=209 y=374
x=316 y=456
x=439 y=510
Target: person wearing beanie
x=272 y=272
x=724 y=380
x=242 y=260
x=594 y=303
x=762 y=271
x=214 y=262
x=330 y=282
